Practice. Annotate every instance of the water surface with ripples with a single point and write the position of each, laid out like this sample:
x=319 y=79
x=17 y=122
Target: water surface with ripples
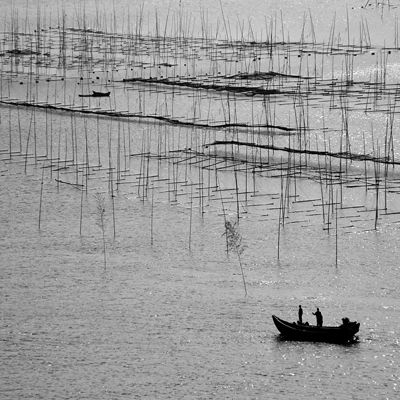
x=166 y=316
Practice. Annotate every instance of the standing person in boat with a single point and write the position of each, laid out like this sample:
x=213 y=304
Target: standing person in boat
x=300 y=315
x=319 y=317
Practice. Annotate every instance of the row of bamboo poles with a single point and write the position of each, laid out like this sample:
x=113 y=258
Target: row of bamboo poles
x=72 y=158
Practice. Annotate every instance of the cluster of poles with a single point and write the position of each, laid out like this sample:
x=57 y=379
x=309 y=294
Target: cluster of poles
x=206 y=121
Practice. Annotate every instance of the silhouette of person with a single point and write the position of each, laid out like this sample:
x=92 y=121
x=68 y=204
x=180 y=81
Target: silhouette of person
x=300 y=315
x=319 y=317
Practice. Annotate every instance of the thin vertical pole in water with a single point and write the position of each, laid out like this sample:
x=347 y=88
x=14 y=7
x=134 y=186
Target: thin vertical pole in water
x=152 y=215
x=281 y=214
x=19 y=126
x=81 y=216
x=34 y=134
x=10 y=130
x=321 y=186
x=282 y=208
x=113 y=206
x=41 y=194
x=190 y=220
x=365 y=166
x=58 y=159
x=109 y=161
x=98 y=141
x=47 y=134
x=119 y=155
x=336 y=223
x=377 y=173
x=27 y=143
x=279 y=227
x=51 y=146
x=237 y=194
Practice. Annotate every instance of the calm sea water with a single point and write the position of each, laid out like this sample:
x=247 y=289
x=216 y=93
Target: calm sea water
x=167 y=316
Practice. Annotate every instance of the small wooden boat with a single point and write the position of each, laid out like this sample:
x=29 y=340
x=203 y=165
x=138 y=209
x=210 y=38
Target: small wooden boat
x=96 y=94
x=101 y=94
x=344 y=333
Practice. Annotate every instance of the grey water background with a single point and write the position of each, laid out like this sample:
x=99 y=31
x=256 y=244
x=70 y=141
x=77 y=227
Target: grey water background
x=167 y=317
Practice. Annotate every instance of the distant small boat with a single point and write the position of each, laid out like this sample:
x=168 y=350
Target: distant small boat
x=344 y=333
x=96 y=94
x=101 y=94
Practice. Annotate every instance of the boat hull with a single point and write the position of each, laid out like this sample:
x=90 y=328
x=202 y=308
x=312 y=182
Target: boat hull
x=341 y=334
x=100 y=94
x=96 y=94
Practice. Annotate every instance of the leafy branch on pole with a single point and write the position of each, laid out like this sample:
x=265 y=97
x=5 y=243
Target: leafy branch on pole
x=101 y=221
x=235 y=243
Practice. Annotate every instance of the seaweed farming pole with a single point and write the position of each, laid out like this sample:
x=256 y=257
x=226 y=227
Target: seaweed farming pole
x=228 y=33
x=58 y=159
x=365 y=166
x=74 y=141
x=152 y=216
x=87 y=159
x=98 y=140
x=279 y=222
x=392 y=116
x=109 y=161
x=9 y=130
x=113 y=205
x=34 y=135
x=237 y=194
x=321 y=184
x=191 y=216
x=119 y=155
x=81 y=210
x=288 y=182
x=377 y=174
x=41 y=194
x=386 y=157
x=336 y=226
x=27 y=142
x=330 y=189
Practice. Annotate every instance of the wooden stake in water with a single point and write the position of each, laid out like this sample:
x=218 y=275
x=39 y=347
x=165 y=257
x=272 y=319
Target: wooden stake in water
x=81 y=216
x=191 y=214
x=41 y=194
x=377 y=179
x=279 y=220
x=336 y=223
x=152 y=214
